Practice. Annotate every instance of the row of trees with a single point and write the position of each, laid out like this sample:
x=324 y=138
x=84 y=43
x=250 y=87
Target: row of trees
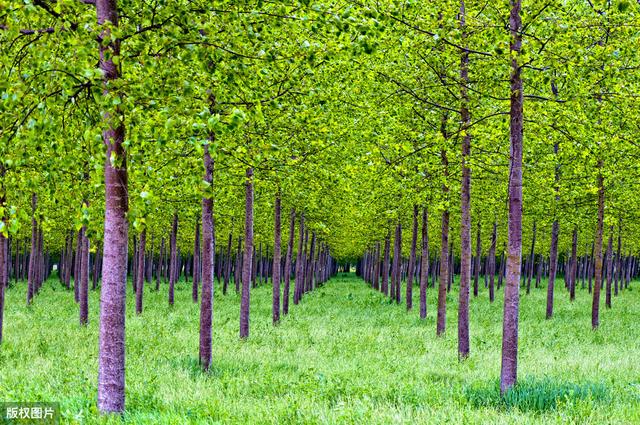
x=362 y=120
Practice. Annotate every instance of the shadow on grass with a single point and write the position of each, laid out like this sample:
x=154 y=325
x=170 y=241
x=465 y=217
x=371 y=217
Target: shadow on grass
x=535 y=395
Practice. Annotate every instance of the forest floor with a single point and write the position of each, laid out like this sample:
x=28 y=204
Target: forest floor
x=344 y=355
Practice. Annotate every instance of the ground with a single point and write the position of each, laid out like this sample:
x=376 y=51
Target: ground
x=345 y=355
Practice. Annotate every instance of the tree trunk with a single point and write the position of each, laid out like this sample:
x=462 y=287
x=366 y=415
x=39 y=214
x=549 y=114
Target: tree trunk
x=84 y=277
x=299 y=262
x=111 y=369
x=465 y=203
x=208 y=254
x=444 y=256
x=509 y=369
x=412 y=259
x=276 y=262
x=385 y=265
x=34 y=248
x=424 y=264
x=287 y=263
x=196 y=264
x=140 y=272
x=609 y=268
x=4 y=272
x=574 y=266
x=174 y=270
x=595 y=309
x=492 y=262
x=248 y=253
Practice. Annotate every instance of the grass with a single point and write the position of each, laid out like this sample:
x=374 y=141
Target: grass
x=344 y=355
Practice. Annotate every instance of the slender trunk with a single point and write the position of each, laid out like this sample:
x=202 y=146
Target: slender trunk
x=159 y=269
x=33 y=255
x=248 y=253
x=196 y=264
x=492 y=262
x=208 y=254
x=84 y=277
x=412 y=259
x=276 y=262
x=424 y=264
x=287 y=263
x=595 y=310
x=509 y=369
x=4 y=271
x=299 y=262
x=385 y=265
x=227 y=266
x=140 y=272
x=444 y=256
x=609 y=268
x=174 y=271
x=465 y=202
x=476 y=272
x=532 y=259
x=397 y=259
x=574 y=266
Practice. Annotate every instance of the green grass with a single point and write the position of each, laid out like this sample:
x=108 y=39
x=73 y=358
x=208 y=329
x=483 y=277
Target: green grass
x=344 y=355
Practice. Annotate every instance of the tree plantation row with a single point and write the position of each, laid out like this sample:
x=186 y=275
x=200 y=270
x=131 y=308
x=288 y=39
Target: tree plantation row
x=161 y=141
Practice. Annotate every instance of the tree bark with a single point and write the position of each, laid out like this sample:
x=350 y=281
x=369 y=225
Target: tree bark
x=196 y=264
x=465 y=202
x=595 y=309
x=140 y=272
x=444 y=255
x=509 y=368
x=248 y=253
x=276 y=261
x=174 y=270
x=385 y=265
x=412 y=259
x=424 y=264
x=287 y=263
x=208 y=254
x=34 y=250
x=111 y=369
x=84 y=277
x=574 y=266
x=609 y=268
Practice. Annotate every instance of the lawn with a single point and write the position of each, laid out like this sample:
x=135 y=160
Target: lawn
x=344 y=355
